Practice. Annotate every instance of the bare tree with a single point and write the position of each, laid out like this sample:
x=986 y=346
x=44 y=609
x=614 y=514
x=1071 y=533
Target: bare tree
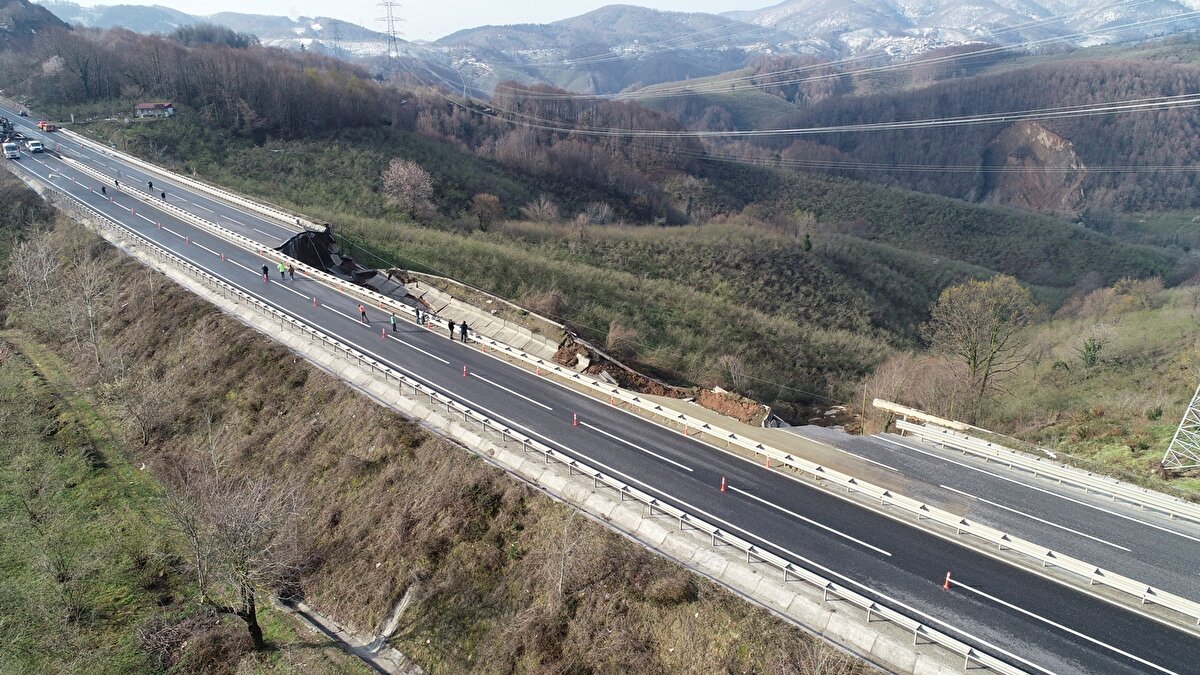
x=408 y=186
x=541 y=210
x=486 y=209
x=242 y=537
x=621 y=340
x=733 y=371
x=147 y=401
x=90 y=283
x=599 y=213
x=889 y=382
x=33 y=267
x=980 y=323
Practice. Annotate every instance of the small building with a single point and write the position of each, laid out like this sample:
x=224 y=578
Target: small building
x=154 y=109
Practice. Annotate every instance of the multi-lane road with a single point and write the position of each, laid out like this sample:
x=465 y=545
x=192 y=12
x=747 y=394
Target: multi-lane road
x=1142 y=545
x=1030 y=621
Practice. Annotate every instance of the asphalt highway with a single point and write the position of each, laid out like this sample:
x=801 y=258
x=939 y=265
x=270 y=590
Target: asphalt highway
x=1018 y=616
x=1142 y=545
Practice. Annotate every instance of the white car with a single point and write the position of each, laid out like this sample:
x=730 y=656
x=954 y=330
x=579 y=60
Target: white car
x=34 y=146
x=11 y=151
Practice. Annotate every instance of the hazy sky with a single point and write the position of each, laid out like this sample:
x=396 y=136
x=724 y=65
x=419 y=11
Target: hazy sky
x=431 y=19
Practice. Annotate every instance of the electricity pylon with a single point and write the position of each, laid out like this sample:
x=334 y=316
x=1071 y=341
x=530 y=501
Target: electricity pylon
x=335 y=34
x=389 y=21
x=1184 y=451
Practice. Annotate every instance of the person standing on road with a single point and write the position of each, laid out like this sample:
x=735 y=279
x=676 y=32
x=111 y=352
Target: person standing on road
x=393 y=322
x=266 y=273
x=362 y=314
x=164 y=196
x=292 y=271
x=462 y=330
x=116 y=182
x=150 y=185
x=282 y=271
x=418 y=316
x=103 y=190
x=451 y=329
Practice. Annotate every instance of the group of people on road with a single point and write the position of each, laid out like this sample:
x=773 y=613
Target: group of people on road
x=149 y=184
x=285 y=271
x=463 y=328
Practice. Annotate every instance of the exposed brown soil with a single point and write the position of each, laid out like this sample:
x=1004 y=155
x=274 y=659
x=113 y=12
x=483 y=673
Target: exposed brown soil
x=728 y=404
x=731 y=405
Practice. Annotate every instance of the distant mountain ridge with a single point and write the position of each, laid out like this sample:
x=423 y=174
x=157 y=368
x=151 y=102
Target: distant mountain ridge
x=614 y=47
x=322 y=33
x=20 y=20
x=906 y=27
x=619 y=47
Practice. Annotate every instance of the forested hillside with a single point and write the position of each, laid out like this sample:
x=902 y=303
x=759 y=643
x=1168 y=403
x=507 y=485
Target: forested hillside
x=1128 y=162
x=786 y=286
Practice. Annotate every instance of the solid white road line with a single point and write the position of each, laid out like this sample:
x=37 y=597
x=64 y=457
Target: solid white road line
x=841 y=450
x=205 y=248
x=514 y=393
x=810 y=521
x=1072 y=631
x=1032 y=517
x=1042 y=490
x=257 y=272
x=431 y=355
x=710 y=517
x=407 y=344
x=668 y=460
x=866 y=459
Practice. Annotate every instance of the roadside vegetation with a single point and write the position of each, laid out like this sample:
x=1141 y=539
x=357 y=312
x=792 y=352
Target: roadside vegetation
x=1103 y=381
x=803 y=281
x=498 y=578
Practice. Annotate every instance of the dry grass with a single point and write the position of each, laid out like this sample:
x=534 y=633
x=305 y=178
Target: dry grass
x=509 y=580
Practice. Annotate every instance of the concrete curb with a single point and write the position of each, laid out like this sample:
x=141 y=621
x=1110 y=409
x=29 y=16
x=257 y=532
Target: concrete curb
x=880 y=642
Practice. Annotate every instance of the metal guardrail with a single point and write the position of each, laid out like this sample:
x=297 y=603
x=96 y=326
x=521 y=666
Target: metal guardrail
x=233 y=198
x=1048 y=557
x=694 y=427
x=1090 y=482
x=654 y=506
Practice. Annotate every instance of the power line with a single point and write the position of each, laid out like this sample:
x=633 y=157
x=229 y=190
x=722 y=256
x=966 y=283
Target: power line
x=335 y=32
x=1133 y=105
x=751 y=82
x=389 y=21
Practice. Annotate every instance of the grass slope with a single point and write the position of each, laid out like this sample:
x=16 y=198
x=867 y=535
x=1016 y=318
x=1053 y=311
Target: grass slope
x=500 y=578
x=86 y=558
x=804 y=322
x=1121 y=412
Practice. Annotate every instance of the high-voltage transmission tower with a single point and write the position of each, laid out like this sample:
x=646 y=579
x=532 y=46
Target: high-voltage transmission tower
x=335 y=35
x=389 y=21
x=1184 y=451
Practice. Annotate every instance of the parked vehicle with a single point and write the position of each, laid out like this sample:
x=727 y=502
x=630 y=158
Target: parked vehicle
x=23 y=113
x=46 y=126
x=11 y=151
x=34 y=146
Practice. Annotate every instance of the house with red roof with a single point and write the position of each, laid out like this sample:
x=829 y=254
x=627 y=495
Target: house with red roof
x=154 y=109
